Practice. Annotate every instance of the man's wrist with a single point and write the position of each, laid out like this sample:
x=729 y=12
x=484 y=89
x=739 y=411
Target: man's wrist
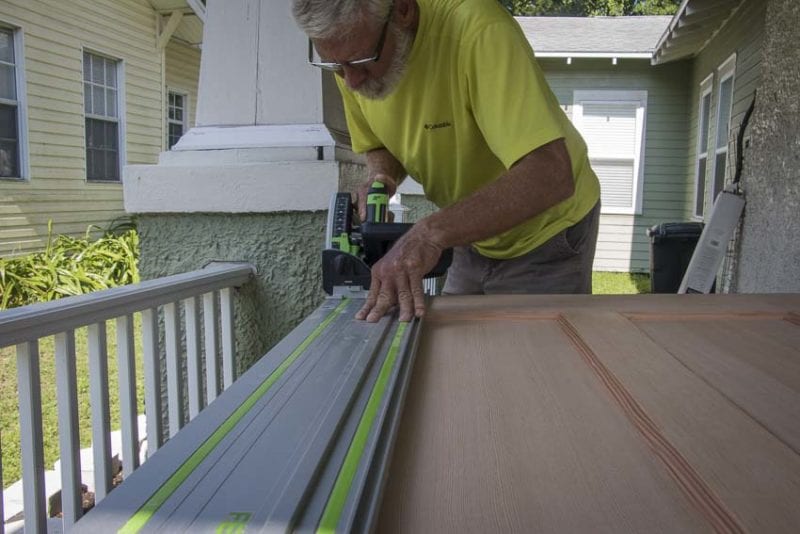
x=434 y=232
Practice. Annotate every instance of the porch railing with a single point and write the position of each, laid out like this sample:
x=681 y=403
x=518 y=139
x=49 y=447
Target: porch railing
x=25 y=326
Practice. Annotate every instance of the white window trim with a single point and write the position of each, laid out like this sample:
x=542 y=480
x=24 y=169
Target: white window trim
x=625 y=97
x=121 y=114
x=706 y=88
x=185 y=123
x=726 y=71
x=22 y=104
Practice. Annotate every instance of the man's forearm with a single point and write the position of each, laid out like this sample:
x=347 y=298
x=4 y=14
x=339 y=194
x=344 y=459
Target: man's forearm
x=381 y=164
x=538 y=181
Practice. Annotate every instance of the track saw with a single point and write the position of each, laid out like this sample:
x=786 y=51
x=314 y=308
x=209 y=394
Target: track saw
x=351 y=251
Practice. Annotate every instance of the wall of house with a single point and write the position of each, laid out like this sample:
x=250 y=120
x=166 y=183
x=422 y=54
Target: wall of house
x=54 y=39
x=742 y=34
x=622 y=242
x=770 y=240
x=182 y=73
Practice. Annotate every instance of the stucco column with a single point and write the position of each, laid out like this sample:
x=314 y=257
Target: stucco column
x=253 y=180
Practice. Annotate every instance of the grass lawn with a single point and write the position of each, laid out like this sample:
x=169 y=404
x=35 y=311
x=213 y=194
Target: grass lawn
x=605 y=283
x=9 y=408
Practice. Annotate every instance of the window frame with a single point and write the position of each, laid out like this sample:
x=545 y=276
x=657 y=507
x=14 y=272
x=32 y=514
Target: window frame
x=604 y=96
x=21 y=103
x=706 y=89
x=185 y=122
x=726 y=71
x=120 y=119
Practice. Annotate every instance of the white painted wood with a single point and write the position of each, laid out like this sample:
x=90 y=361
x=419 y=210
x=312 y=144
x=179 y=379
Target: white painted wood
x=211 y=345
x=230 y=52
x=166 y=33
x=621 y=140
x=30 y=423
x=38 y=320
x=126 y=369
x=257 y=188
x=289 y=90
x=68 y=430
x=191 y=312
x=2 y=510
x=260 y=136
x=174 y=371
x=228 y=340
x=98 y=396
x=152 y=380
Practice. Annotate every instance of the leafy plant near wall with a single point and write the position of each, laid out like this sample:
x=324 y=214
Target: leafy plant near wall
x=72 y=266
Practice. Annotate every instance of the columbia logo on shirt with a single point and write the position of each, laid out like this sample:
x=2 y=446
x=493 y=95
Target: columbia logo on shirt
x=437 y=125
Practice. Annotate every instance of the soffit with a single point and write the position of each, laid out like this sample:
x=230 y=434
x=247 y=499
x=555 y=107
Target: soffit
x=691 y=29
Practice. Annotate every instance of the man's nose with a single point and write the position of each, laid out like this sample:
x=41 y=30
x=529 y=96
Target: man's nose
x=353 y=77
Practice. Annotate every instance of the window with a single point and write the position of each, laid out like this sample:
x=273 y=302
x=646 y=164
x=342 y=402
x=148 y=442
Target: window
x=176 y=117
x=12 y=108
x=701 y=163
x=724 y=106
x=103 y=127
x=613 y=124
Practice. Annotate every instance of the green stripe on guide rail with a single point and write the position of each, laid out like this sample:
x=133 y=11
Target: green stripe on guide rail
x=154 y=503
x=344 y=481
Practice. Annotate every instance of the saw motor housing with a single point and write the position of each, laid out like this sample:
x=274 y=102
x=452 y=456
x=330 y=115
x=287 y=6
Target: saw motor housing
x=351 y=251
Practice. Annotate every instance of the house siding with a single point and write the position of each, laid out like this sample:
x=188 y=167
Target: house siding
x=54 y=40
x=183 y=72
x=622 y=243
x=743 y=34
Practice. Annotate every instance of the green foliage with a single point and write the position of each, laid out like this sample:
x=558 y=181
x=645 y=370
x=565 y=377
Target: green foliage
x=70 y=266
x=590 y=8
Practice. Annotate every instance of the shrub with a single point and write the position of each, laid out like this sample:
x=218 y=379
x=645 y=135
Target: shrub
x=71 y=266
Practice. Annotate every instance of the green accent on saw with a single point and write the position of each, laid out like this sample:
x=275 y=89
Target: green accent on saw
x=344 y=481
x=154 y=503
x=377 y=202
x=342 y=242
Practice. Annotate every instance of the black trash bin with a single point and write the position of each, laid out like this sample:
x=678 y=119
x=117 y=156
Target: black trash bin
x=671 y=248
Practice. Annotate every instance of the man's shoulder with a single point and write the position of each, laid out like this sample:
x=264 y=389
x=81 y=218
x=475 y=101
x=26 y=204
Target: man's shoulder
x=466 y=17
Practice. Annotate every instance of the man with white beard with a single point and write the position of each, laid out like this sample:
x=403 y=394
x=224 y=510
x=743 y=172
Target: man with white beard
x=450 y=93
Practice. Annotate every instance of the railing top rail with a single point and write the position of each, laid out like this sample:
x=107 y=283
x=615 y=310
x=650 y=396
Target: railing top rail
x=26 y=323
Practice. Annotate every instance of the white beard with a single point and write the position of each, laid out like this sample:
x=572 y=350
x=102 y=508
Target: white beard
x=380 y=88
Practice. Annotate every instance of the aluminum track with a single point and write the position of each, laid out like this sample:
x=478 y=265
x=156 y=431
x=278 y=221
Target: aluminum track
x=300 y=443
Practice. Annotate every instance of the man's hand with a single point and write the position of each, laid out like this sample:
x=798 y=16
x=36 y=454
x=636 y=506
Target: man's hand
x=397 y=278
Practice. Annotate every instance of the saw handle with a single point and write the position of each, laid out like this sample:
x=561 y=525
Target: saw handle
x=377 y=203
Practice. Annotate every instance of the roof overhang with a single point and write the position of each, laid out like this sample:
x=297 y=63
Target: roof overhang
x=695 y=24
x=605 y=55
x=189 y=17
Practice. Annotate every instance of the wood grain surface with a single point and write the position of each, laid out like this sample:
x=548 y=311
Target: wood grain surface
x=592 y=414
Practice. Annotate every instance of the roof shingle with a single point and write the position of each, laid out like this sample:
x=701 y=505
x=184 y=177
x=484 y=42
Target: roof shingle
x=622 y=35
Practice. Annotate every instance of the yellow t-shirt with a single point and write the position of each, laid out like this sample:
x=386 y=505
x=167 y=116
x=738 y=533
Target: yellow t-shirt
x=473 y=102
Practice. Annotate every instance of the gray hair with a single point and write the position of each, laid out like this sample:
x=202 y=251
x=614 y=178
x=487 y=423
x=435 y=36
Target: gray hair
x=321 y=19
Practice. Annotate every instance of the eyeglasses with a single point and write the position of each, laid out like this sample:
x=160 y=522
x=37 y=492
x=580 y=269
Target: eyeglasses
x=356 y=63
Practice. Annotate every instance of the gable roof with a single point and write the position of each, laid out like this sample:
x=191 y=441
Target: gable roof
x=693 y=26
x=594 y=36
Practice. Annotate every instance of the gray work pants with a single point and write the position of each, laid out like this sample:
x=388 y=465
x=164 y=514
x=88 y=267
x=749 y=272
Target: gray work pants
x=562 y=264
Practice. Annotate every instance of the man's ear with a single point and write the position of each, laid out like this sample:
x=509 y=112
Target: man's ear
x=406 y=13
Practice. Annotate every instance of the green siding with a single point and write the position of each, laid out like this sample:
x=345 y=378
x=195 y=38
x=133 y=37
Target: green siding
x=743 y=35
x=622 y=242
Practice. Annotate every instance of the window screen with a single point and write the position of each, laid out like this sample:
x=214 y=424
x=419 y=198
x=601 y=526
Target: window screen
x=9 y=108
x=176 y=117
x=100 y=93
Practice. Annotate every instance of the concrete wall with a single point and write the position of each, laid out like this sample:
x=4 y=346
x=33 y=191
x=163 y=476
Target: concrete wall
x=285 y=247
x=769 y=249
